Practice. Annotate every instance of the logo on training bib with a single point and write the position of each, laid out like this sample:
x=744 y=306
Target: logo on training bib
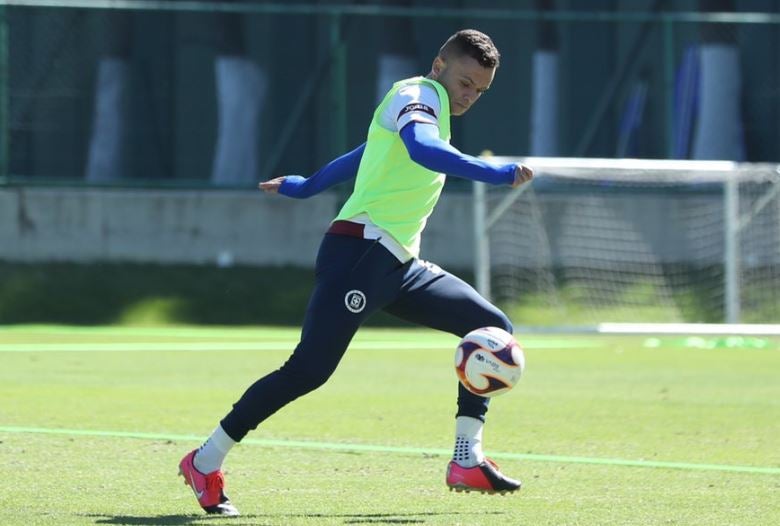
x=355 y=301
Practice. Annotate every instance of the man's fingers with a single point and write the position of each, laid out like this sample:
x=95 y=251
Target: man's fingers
x=523 y=174
x=272 y=185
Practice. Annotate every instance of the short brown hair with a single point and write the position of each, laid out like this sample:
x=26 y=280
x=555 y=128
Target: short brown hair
x=472 y=43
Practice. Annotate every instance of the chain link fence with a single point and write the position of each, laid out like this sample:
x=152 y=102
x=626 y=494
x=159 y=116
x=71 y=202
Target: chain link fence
x=228 y=93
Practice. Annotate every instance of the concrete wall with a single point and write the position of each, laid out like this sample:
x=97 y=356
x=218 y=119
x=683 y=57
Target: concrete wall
x=192 y=226
x=187 y=226
x=248 y=227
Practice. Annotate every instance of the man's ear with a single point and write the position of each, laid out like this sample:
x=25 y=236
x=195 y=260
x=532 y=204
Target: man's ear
x=437 y=67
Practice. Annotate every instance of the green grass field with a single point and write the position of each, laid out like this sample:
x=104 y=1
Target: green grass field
x=602 y=430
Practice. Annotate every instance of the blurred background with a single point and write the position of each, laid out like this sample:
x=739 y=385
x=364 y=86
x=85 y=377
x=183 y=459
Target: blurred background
x=230 y=92
x=133 y=133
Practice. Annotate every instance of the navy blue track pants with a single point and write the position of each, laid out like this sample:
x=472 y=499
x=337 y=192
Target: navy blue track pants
x=356 y=277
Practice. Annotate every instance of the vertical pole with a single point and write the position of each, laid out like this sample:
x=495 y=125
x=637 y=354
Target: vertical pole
x=5 y=128
x=481 y=241
x=731 y=247
x=338 y=87
x=668 y=32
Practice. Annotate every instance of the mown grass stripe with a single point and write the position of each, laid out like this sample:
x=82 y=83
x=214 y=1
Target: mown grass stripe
x=374 y=448
x=200 y=346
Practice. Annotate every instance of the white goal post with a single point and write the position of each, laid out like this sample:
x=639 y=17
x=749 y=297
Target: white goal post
x=593 y=241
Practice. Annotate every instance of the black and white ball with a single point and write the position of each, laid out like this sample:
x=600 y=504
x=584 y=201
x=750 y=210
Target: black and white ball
x=489 y=361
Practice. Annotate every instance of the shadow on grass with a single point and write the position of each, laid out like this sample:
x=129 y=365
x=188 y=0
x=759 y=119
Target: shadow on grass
x=276 y=519
x=162 y=520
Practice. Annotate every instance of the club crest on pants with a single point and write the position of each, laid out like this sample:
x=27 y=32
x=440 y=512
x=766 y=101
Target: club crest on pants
x=355 y=301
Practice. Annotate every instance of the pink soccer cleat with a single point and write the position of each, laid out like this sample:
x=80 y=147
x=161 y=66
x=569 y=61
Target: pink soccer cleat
x=208 y=488
x=484 y=478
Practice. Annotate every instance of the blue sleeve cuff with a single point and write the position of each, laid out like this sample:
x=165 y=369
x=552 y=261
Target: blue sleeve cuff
x=292 y=186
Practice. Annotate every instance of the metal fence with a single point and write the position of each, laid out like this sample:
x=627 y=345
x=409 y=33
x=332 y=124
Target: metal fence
x=227 y=93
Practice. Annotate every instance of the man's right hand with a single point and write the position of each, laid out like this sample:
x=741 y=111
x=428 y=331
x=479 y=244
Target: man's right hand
x=272 y=185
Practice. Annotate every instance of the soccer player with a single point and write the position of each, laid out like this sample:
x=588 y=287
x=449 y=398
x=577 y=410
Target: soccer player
x=368 y=260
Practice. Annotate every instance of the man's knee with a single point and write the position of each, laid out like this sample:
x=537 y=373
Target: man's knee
x=497 y=318
x=504 y=322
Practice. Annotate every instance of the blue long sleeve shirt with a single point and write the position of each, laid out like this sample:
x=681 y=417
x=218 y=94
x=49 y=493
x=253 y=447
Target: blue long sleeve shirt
x=425 y=147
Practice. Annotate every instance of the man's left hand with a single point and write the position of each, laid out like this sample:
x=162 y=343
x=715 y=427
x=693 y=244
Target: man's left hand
x=523 y=174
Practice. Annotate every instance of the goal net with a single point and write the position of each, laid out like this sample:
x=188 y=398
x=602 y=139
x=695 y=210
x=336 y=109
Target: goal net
x=639 y=241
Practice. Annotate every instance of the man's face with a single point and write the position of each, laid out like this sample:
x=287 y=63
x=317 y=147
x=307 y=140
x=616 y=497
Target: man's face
x=464 y=79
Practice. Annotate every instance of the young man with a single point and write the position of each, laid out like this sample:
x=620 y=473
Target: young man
x=368 y=261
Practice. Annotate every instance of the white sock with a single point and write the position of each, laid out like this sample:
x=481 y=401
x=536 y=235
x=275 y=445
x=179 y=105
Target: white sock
x=213 y=452
x=468 y=442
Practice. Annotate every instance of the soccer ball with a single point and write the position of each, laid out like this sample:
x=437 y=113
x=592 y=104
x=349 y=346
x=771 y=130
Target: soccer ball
x=489 y=361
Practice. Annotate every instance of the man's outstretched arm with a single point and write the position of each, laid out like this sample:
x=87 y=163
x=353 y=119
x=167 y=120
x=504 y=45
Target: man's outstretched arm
x=426 y=148
x=337 y=171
